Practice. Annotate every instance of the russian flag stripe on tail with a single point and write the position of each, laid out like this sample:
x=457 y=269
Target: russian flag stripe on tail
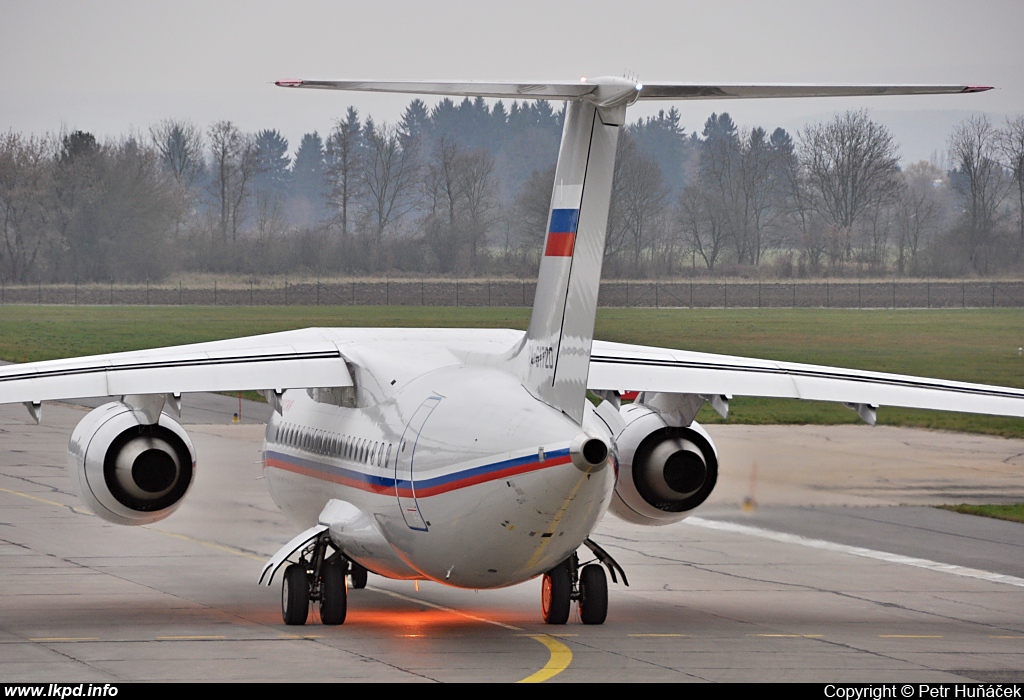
x=564 y=220
x=560 y=244
x=562 y=232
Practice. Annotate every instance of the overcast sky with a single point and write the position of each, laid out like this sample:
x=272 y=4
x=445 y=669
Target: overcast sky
x=110 y=67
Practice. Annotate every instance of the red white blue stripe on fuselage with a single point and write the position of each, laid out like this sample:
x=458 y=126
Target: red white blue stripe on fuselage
x=420 y=488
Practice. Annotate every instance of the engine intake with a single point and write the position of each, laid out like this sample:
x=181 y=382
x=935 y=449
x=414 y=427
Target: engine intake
x=665 y=471
x=131 y=472
x=671 y=471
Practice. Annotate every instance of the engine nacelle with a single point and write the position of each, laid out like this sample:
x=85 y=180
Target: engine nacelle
x=664 y=471
x=129 y=472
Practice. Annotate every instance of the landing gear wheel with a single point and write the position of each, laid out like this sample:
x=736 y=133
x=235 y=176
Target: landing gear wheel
x=555 y=594
x=593 y=595
x=358 y=575
x=333 y=592
x=295 y=595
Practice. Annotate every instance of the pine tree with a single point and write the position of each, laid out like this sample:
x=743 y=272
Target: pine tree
x=272 y=161
x=415 y=124
x=308 y=180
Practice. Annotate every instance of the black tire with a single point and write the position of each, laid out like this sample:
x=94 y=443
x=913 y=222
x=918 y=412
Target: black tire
x=333 y=592
x=359 y=576
x=593 y=595
x=295 y=595
x=555 y=594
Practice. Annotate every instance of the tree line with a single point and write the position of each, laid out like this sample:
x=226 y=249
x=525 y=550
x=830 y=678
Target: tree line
x=462 y=188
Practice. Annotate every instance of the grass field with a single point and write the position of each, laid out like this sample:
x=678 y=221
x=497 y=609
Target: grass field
x=1013 y=512
x=974 y=345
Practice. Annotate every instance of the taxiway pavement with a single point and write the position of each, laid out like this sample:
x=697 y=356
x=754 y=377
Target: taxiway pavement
x=837 y=570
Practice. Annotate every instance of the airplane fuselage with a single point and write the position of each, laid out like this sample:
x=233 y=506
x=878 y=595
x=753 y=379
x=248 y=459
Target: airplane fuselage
x=464 y=477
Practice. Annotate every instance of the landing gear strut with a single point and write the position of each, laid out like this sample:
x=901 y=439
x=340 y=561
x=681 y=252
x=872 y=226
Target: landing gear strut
x=321 y=578
x=587 y=585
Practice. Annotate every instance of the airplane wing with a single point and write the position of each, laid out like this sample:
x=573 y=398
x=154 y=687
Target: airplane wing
x=618 y=366
x=276 y=361
x=313 y=357
x=298 y=359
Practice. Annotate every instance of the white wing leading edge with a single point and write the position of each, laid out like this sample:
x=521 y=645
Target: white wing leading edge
x=276 y=361
x=618 y=366
x=309 y=358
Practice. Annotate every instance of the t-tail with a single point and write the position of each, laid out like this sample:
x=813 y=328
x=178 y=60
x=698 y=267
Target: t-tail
x=553 y=359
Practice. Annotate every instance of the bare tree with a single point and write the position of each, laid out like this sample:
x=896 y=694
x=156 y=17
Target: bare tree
x=443 y=183
x=719 y=182
x=480 y=195
x=180 y=145
x=981 y=183
x=792 y=203
x=127 y=230
x=638 y=201
x=530 y=217
x=460 y=189
x=759 y=192
x=180 y=148
x=388 y=177
x=442 y=189
x=921 y=210
x=700 y=225
x=852 y=166
x=344 y=154
x=234 y=164
x=1011 y=145
x=739 y=176
x=25 y=172
x=878 y=231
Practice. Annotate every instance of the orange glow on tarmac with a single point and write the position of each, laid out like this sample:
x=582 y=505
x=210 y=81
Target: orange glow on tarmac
x=413 y=622
x=431 y=619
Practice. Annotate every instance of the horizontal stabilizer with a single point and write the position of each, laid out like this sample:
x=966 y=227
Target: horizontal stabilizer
x=528 y=91
x=664 y=91
x=608 y=90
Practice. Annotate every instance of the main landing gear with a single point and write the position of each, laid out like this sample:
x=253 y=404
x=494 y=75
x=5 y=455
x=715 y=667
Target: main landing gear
x=319 y=577
x=587 y=585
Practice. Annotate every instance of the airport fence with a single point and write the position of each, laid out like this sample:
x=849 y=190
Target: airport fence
x=703 y=294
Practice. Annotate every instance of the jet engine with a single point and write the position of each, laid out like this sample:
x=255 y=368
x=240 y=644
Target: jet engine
x=665 y=471
x=130 y=472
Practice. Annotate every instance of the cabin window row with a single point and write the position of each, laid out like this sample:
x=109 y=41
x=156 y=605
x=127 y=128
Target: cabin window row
x=323 y=442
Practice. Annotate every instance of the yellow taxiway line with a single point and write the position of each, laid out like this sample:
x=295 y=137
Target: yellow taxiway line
x=560 y=654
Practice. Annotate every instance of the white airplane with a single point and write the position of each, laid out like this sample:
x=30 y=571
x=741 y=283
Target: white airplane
x=468 y=457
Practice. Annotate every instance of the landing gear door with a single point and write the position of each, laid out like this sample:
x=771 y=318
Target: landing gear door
x=405 y=465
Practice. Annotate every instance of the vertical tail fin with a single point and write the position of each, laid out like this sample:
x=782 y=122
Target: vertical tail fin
x=554 y=359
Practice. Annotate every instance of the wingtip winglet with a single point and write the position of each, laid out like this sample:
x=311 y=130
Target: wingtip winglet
x=290 y=82
x=978 y=88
